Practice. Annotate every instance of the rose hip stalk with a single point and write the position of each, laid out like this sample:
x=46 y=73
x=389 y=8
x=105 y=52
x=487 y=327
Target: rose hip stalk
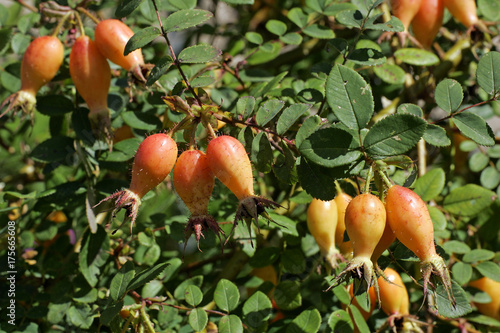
x=229 y=162
x=428 y=21
x=153 y=161
x=321 y=222
x=365 y=224
x=194 y=182
x=40 y=64
x=91 y=75
x=111 y=36
x=409 y=218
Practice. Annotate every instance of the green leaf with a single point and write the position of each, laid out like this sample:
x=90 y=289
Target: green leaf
x=257 y=309
x=308 y=321
x=490 y=9
x=394 y=135
x=410 y=109
x=335 y=8
x=203 y=81
x=245 y=106
x=93 y=254
x=461 y=272
x=276 y=27
x=160 y=68
x=330 y=147
x=297 y=16
x=262 y=154
x=5 y=36
x=468 y=200
x=449 y=95
x=146 y=275
x=289 y=116
x=416 y=57
x=340 y=321
x=285 y=168
x=350 y=18
x=477 y=255
x=475 y=128
x=198 y=319
x=226 y=295
x=436 y=136
x=430 y=185
x=367 y=57
x=200 y=53
x=124 y=150
x=285 y=224
x=445 y=307
x=54 y=105
x=193 y=295
x=264 y=256
x=80 y=315
x=121 y=280
x=272 y=84
x=482 y=319
x=287 y=295
x=180 y=291
x=490 y=178
x=57 y=311
x=230 y=324
x=141 y=121
x=489 y=269
x=126 y=7
x=111 y=311
x=55 y=149
x=394 y=24
x=141 y=38
x=309 y=126
x=455 y=246
x=488 y=73
x=390 y=73
x=268 y=111
x=183 y=4
x=478 y=161
x=350 y=97
x=254 y=37
x=186 y=18
x=293 y=261
x=358 y=319
x=319 y=31
x=291 y=38
x=239 y=2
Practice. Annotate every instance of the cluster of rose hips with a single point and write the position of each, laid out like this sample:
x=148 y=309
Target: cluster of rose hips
x=194 y=178
x=88 y=66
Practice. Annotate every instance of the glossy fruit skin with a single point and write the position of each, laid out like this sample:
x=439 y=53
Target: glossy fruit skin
x=428 y=21
x=321 y=222
x=90 y=73
x=342 y=200
x=492 y=288
x=40 y=64
x=388 y=237
x=194 y=181
x=229 y=162
x=405 y=10
x=464 y=11
x=111 y=36
x=394 y=298
x=153 y=161
x=409 y=218
x=365 y=223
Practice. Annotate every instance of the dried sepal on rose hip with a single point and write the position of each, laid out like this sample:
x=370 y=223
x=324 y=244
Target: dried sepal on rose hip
x=322 y=221
x=91 y=75
x=194 y=182
x=365 y=221
x=230 y=164
x=409 y=218
x=153 y=161
x=40 y=64
x=111 y=36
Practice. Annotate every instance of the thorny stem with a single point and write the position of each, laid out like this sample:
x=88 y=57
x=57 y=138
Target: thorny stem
x=88 y=14
x=492 y=99
x=368 y=180
x=147 y=322
x=211 y=131
x=174 y=58
x=384 y=178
